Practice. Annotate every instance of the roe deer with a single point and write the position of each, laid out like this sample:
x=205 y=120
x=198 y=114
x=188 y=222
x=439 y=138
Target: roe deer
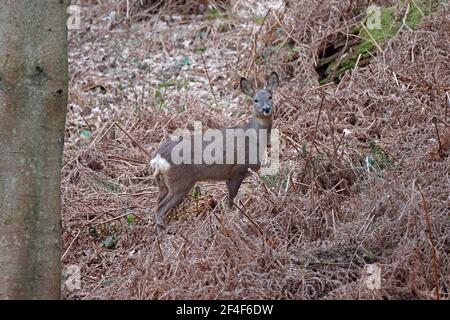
x=176 y=179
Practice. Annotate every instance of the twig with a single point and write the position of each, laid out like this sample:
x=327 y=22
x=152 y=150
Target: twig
x=103 y=135
x=225 y=230
x=318 y=118
x=289 y=101
x=294 y=144
x=387 y=152
x=426 y=214
x=447 y=105
x=70 y=245
x=95 y=288
x=136 y=194
x=356 y=64
x=404 y=19
x=115 y=218
x=260 y=27
x=440 y=150
x=332 y=133
x=129 y=136
x=128 y=10
x=255 y=47
x=161 y=40
x=418 y=8
x=264 y=185
x=374 y=42
x=209 y=81
x=293 y=184
x=339 y=144
x=248 y=217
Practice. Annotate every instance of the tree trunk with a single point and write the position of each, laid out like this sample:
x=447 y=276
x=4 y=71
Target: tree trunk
x=33 y=101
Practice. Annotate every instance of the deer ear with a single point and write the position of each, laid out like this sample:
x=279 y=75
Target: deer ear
x=272 y=82
x=247 y=87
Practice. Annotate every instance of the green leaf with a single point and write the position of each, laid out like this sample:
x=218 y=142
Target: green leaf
x=196 y=192
x=85 y=133
x=200 y=50
x=259 y=19
x=130 y=218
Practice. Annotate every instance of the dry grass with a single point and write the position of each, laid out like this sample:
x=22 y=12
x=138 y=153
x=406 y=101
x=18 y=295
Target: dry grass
x=364 y=173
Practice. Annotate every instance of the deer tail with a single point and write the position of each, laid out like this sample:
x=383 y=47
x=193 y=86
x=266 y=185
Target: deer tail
x=160 y=165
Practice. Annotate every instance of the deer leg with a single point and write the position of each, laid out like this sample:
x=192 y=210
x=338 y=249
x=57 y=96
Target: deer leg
x=163 y=190
x=172 y=199
x=233 y=186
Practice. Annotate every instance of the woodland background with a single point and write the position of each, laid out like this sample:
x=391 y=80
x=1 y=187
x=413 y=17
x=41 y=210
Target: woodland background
x=365 y=143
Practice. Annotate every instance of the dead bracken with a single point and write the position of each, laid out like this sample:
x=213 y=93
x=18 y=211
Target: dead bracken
x=363 y=184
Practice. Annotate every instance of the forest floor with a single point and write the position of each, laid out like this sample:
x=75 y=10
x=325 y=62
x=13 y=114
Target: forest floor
x=360 y=208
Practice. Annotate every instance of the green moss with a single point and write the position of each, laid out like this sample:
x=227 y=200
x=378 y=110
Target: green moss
x=417 y=10
x=371 y=36
x=200 y=50
x=414 y=17
x=364 y=46
x=178 y=84
x=332 y=66
x=379 y=159
x=214 y=13
x=130 y=219
x=390 y=23
x=347 y=64
x=159 y=99
x=108 y=185
x=259 y=19
x=272 y=180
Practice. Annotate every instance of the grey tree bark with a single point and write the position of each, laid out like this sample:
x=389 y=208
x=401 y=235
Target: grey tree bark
x=33 y=101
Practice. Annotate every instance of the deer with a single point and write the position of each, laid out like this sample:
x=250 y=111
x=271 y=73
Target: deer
x=175 y=180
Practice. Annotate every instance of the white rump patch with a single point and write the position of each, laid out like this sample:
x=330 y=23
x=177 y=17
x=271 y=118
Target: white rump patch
x=159 y=164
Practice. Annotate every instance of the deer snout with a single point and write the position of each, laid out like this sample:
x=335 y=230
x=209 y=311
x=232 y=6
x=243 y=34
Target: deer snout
x=266 y=110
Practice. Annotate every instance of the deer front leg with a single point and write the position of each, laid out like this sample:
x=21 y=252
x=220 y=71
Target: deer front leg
x=233 y=186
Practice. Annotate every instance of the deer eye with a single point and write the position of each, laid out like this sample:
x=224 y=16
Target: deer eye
x=270 y=97
x=256 y=100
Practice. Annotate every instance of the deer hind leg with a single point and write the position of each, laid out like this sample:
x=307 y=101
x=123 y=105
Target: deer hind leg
x=163 y=190
x=177 y=190
x=233 y=186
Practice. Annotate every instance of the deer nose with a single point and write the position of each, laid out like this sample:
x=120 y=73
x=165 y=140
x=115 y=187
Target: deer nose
x=266 y=110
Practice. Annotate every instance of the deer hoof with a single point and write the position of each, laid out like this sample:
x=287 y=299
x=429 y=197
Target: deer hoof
x=159 y=228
